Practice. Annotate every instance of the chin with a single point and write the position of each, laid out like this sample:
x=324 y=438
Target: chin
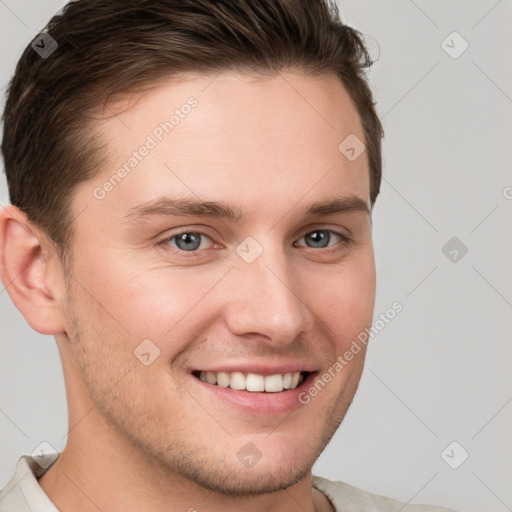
x=242 y=481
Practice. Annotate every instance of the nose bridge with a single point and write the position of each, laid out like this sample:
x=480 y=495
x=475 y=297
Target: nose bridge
x=267 y=300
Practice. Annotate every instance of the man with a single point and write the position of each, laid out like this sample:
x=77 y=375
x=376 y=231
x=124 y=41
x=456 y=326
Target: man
x=207 y=377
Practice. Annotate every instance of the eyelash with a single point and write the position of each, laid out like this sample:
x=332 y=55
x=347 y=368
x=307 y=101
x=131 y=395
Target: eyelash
x=193 y=254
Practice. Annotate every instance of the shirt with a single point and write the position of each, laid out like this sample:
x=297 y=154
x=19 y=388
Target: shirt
x=24 y=494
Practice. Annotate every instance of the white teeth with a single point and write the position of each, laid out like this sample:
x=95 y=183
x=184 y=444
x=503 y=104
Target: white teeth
x=237 y=380
x=274 y=383
x=211 y=378
x=223 y=379
x=252 y=381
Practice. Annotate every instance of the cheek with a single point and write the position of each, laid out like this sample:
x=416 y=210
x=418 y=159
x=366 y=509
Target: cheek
x=344 y=299
x=133 y=303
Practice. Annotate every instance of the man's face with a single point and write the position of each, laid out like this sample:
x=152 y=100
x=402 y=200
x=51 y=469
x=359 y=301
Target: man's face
x=272 y=292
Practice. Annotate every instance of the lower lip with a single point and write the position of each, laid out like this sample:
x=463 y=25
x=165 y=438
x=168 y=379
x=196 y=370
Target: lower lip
x=259 y=402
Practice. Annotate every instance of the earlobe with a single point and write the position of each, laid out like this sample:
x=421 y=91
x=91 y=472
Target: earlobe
x=25 y=256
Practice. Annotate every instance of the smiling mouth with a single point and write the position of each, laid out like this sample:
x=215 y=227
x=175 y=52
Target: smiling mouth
x=253 y=382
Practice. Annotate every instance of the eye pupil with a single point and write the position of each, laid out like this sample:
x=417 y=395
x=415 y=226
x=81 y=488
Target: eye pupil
x=320 y=237
x=186 y=238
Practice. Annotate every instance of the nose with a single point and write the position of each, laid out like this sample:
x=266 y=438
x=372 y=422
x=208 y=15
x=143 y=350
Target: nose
x=266 y=299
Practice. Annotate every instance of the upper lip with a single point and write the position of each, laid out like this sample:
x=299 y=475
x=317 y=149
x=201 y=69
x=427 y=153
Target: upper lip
x=260 y=369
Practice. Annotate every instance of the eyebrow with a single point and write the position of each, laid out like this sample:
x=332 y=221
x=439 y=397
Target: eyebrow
x=182 y=206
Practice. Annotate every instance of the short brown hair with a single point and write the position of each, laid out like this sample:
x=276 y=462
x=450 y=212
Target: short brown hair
x=111 y=47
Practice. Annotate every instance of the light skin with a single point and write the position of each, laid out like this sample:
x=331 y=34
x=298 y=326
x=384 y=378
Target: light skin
x=154 y=438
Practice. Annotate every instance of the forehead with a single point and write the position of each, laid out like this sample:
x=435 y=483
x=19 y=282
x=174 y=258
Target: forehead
x=236 y=136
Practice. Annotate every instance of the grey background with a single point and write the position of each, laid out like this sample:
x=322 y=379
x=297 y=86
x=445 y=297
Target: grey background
x=441 y=370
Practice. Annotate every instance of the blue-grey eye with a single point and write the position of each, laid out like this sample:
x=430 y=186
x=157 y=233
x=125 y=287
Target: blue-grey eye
x=188 y=241
x=320 y=238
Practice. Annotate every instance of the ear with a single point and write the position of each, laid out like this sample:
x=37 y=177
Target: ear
x=31 y=271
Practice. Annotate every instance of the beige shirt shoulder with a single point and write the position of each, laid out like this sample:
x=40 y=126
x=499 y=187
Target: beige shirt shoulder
x=23 y=493
x=347 y=498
